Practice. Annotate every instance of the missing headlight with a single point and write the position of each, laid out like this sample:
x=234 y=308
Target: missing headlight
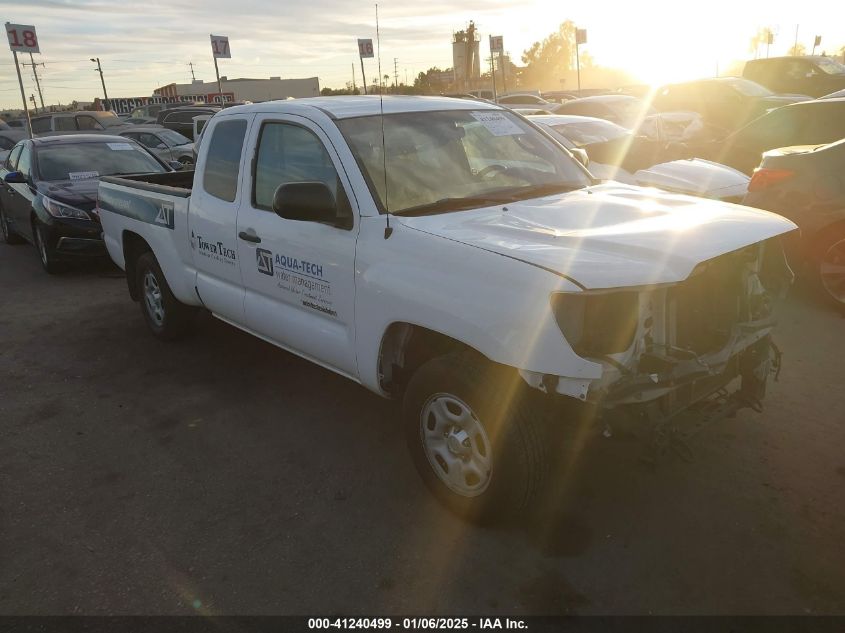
x=597 y=324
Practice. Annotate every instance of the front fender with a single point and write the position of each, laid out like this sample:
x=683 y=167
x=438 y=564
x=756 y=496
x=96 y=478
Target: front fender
x=494 y=304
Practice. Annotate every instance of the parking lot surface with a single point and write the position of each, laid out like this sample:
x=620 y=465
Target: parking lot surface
x=221 y=475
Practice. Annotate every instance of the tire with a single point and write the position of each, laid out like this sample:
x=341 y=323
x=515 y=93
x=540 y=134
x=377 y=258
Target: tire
x=46 y=253
x=167 y=317
x=492 y=462
x=187 y=161
x=830 y=267
x=9 y=236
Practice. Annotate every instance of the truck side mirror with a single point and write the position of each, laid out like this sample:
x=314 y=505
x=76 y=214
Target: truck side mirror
x=14 y=177
x=306 y=202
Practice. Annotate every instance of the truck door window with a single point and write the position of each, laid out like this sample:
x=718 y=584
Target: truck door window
x=39 y=126
x=88 y=123
x=223 y=159
x=12 y=161
x=290 y=153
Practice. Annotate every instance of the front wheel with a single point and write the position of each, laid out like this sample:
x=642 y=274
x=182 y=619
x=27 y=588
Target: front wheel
x=166 y=316
x=46 y=253
x=474 y=438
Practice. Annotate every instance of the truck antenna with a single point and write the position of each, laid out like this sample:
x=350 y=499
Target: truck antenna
x=388 y=230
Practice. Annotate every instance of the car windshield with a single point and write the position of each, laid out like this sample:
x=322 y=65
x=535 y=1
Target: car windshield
x=830 y=66
x=587 y=132
x=80 y=161
x=172 y=138
x=749 y=88
x=444 y=161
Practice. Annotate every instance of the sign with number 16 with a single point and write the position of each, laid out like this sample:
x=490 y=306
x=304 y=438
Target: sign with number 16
x=22 y=38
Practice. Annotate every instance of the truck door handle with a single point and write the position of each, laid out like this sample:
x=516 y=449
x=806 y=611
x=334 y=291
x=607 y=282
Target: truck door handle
x=249 y=237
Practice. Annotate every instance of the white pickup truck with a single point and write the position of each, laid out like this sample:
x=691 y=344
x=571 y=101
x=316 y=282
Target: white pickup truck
x=452 y=254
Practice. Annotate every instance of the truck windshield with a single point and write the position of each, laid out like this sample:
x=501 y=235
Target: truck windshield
x=91 y=160
x=448 y=160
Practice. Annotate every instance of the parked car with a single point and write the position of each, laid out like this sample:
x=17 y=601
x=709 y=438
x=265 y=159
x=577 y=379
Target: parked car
x=726 y=102
x=637 y=302
x=82 y=121
x=18 y=124
x=624 y=110
x=167 y=144
x=529 y=101
x=181 y=119
x=808 y=123
x=807 y=185
x=559 y=96
x=48 y=194
x=813 y=75
x=616 y=154
x=8 y=139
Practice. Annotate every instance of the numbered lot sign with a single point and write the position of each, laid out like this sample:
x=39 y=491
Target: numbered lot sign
x=497 y=44
x=365 y=48
x=22 y=38
x=220 y=46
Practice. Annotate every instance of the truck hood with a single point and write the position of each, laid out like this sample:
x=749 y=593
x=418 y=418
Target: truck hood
x=611 y=235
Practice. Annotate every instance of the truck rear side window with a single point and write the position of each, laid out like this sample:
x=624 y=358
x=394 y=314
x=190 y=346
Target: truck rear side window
x=223 y=159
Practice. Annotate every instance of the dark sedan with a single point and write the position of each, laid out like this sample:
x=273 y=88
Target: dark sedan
x=809 y=123
x=807 y=185
x=48 y=194
x=623 y=110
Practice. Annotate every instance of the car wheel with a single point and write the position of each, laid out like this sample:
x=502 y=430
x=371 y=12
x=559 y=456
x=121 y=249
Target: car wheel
x=167 y=317
x=9 y=236
x=187 y=161
x=46 y=253
x=474 y=438
x=830 y=267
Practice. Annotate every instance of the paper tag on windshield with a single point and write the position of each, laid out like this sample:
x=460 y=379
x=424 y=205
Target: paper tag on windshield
x=497 y=123
x=82 y=175
x=121 y=146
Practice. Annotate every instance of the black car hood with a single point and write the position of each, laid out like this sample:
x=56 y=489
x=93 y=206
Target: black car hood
x=81 y=194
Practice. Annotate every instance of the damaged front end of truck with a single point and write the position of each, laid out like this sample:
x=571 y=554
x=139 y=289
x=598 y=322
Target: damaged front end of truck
x=671 y=353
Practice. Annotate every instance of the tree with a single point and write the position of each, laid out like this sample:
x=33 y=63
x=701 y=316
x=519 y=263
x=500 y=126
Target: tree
x=761 y=38
x=547 y=61
x=797 y=50
x=428 y=82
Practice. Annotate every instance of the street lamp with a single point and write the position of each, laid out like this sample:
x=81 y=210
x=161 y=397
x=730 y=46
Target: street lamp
x=96 y=60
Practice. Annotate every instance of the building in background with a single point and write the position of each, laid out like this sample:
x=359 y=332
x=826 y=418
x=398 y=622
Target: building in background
x=466 y=60
x=242 y=89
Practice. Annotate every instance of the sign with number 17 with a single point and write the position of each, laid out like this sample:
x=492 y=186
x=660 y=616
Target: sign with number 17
x=22 y=38
x=220 y=46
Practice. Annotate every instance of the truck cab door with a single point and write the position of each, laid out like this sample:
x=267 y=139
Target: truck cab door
x=212 y=217
x=299 y=274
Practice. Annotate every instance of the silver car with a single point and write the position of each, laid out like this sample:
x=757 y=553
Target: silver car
x=167 y=144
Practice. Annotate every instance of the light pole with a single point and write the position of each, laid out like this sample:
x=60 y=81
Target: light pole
x=96 y=60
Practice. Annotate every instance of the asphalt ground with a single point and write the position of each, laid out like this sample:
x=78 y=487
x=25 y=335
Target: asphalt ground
x=220 y=475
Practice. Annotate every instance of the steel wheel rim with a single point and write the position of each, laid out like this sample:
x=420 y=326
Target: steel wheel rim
x=832 y=271
x=456 y=445
x=152 y=298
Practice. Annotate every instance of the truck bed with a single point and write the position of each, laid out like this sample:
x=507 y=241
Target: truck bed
x=171 y=183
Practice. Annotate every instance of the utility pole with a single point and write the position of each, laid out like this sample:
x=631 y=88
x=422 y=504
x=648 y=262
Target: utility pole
x=795 y=48
x=32 y=64
x=395 y=73
x=493 y=77
x=34 y=105
x=193 y=77
x=103 y=81
x=502 y=66
x=354 y=87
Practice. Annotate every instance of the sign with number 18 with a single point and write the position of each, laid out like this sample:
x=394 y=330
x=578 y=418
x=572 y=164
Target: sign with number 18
x=22 y=38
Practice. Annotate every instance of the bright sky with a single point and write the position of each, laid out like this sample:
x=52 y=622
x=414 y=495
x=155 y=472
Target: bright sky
x=145 y=44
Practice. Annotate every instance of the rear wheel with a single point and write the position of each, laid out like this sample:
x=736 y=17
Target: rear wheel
x=474 y=438
x=9 y=236
x=46 y=253
x=830 y=267
x=166 y=316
